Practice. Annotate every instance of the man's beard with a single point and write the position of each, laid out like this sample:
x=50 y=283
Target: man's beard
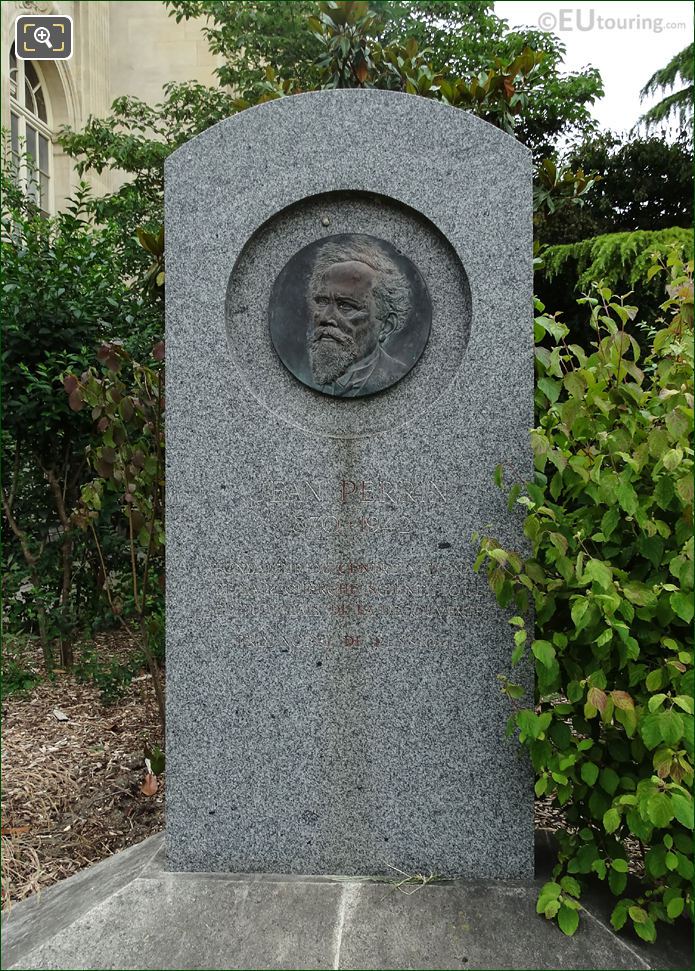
x=330 y=359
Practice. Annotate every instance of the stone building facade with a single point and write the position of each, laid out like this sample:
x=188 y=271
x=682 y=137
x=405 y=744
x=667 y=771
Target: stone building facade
x=120 y=48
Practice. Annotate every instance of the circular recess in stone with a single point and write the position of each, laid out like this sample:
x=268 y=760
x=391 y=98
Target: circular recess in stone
x=349 y=315
x=274 y=270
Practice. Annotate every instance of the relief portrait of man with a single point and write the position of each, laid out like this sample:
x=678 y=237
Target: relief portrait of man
x=350 y=315
x=358 y=300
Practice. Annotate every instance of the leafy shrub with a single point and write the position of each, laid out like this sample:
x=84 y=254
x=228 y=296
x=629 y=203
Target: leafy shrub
x=620 y=261
x=17 y=676
x=112 y=677
x=127 y=407
x=610 y=579
x=66 y=288
x=643 y=184
x=614 y=258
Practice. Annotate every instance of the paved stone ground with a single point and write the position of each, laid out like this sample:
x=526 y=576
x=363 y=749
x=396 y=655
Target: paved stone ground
x=128 y=912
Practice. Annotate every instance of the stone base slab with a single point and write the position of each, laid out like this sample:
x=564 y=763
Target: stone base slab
x=130 y=912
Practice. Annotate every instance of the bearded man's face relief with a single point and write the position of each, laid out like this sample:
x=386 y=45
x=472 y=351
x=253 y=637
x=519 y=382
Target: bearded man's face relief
x=343 y=329
x=349 y=315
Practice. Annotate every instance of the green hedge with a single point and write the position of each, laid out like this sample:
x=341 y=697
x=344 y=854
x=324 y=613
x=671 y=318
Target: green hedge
x=610 y=581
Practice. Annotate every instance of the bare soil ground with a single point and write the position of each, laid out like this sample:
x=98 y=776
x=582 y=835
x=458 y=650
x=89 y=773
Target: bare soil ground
x=71 y=792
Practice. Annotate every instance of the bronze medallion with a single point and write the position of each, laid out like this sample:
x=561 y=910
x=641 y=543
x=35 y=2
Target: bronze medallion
x=349 y=315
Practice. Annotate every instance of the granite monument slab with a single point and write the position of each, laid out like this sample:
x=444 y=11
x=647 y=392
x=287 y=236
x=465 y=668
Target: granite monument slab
x=349 y=357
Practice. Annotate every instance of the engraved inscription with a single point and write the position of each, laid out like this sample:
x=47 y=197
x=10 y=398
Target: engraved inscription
x=361 y=576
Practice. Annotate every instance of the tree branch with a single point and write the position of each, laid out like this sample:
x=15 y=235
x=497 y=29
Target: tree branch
x=17 y=530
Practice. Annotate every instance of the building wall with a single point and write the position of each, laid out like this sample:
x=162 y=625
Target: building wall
x=120 y=48
x=148 y=48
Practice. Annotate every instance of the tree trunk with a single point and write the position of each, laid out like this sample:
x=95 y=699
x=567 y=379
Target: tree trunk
x=66 y=639
x=66 y=652
x=46 y=647
x=155 y=671
x=31 y=561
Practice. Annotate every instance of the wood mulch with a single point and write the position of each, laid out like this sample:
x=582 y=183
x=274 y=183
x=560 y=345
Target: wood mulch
x=72 y=773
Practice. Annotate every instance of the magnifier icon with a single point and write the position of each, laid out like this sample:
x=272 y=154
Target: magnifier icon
x=42 y=35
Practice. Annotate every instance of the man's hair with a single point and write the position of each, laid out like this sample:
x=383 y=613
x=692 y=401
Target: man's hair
x=391 y=288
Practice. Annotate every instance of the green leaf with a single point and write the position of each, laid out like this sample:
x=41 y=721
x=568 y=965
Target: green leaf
x=674 y=908
x=568 y=920
x=517 y=654
x=685 y=867
x=639 y=593
x=515 y=691
x=656 y=701
x=652 y=548
x=659 y=809
x=610 y=520
x=574 y=691
x=672 y=459
x=663 y=492
x=551 y=909
x=528 y=723
x=599 y=868
x=549 y=891
x=571 y=886
x=611 y=820
x=589 y=773
x=682 y=604
x=682 y=806
x=627 y=497
x=655 y=679
x=596 y=570
x=544 y=652
x=575 y=384
x=555 y=328
x=619 y=915
x=620 y=865
x=650 y=730
x=655 y=861
x=617 y=881
x=638 y=914
x=646 y=930
x=671 y=726
x=584 y=859
x=609 y=780
x=579 y=609
x=684 y=702
x=550 y=388
x=561 y=734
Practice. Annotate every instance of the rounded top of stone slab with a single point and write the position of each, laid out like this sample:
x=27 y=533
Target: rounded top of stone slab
x=450 y=192
x=312 y=108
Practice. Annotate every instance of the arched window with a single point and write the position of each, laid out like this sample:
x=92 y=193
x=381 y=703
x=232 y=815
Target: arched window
x=30 y=132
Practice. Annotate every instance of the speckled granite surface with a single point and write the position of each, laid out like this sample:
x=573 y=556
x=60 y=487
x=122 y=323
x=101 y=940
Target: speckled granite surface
x=333 y=705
